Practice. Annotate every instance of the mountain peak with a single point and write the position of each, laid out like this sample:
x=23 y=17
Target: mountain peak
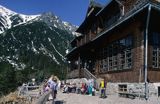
x=45 y=36
x=10 y=19
x=6 y=11
x=48 y=13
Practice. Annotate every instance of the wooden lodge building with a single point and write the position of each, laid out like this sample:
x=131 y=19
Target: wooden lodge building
x=120 y=41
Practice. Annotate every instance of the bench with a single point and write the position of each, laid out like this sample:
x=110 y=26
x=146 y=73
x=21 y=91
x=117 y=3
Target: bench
x=127 y=95
x=130 y=95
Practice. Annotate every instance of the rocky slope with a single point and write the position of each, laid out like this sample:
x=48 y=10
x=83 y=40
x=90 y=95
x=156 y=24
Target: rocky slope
x=26 y=40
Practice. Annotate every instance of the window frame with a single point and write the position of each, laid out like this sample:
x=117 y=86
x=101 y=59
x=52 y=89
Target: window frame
x=118 y=58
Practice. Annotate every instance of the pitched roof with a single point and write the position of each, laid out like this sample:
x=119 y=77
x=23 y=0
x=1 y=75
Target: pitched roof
x=96 y=4
x=93 y=9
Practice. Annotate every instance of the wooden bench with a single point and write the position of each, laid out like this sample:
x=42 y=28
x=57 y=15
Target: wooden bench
x=127 y=95
x=130 y=95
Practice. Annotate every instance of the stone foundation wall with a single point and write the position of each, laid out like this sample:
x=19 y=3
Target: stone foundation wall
x=112 y=88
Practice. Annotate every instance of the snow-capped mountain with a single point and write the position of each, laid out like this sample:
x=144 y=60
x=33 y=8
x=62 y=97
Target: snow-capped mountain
x=33 y=41
x=54 y=21
x=10 y=19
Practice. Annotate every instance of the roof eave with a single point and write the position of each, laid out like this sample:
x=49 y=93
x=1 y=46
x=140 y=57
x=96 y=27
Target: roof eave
x=104 y=7
x=126 y=18
x=71 y=51
x=120 y=22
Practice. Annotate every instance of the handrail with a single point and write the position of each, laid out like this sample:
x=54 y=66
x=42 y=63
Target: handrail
x=33 y=86
x=43 y=99
x=23 y=90
x=89 y=74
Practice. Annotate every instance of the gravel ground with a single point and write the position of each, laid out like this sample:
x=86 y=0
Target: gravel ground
x=72 y=98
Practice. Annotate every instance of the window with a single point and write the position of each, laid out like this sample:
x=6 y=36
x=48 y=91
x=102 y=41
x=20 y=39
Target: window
x=156 y=58
x=122 y=87
x=117 y=55
x=155 y=42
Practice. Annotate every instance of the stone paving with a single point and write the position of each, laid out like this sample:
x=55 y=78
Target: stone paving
x=72 y=98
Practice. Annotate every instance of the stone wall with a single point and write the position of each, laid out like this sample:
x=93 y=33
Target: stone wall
x=73 y=74
x=138 y=88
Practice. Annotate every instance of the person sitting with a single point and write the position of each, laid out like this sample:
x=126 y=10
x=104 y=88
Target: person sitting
x=83 y=89
x=65 y=88
x=74 y=88
x=90 y=89
x=78 y=88
x=93 y=91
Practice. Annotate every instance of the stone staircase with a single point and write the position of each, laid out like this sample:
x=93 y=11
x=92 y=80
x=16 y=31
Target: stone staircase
x=87 y=74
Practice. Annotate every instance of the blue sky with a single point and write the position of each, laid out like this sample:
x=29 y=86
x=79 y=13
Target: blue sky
x=72 y=11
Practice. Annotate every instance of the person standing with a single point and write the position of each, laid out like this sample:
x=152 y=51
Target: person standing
x=103 y=88
x=55 y=79
x=52 y=85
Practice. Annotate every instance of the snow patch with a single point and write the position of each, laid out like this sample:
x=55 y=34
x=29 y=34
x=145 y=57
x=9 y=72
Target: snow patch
x=18 y=66
x=46 y=52
x=55 y=25
x=5 y=18
x=50 y=28
x=49 y=39
x=13 y=37
x=57 y=51
x=33 y=48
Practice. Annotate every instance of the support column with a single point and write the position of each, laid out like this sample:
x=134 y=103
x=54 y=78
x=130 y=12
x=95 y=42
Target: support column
x=146 y=54
x=97 y=68
x=79 y=66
